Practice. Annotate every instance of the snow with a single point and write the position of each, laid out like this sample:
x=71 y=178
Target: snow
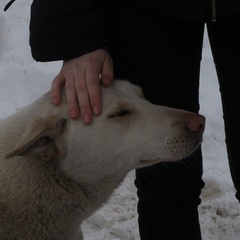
x=22 y=80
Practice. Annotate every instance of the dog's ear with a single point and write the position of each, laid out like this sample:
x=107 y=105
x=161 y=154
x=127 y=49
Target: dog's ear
x=38 y=139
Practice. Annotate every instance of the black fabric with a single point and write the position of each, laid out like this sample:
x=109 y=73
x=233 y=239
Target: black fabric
x=167 y=67
x=224 y=38
x=194 y=11
x=168 y=56
x=166 y=64
x=61 y=29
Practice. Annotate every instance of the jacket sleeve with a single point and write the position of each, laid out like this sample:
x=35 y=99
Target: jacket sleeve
x=65 y=29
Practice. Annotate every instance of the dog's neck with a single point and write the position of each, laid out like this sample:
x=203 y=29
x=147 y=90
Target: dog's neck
x=90 y=193
x=93 y=193
x=56 y=196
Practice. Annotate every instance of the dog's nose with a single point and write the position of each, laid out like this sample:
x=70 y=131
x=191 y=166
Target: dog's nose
x=196 y=123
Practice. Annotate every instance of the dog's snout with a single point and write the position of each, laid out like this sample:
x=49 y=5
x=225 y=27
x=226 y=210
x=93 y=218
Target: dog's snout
x=196 y=123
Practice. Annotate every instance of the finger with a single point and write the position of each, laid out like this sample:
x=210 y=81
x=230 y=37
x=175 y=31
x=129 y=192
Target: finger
x=94 y=91
x=71 y=97
x=57 y=84
x=83 y=98
x=107 y=71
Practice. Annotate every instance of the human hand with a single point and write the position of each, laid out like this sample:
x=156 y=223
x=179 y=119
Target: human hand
x=82 y=77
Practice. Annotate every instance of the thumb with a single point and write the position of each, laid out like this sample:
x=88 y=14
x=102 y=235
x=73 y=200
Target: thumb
x=107 y=71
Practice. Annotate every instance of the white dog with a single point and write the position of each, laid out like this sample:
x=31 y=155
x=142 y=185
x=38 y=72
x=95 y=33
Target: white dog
x=55 y=172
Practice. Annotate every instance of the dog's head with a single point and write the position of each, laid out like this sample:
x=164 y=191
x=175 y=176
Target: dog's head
x=129 y=133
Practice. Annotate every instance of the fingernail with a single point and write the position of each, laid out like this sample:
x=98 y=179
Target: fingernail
x=73 y=113
x=54 y=100
x=86 y=118
x=96 y=110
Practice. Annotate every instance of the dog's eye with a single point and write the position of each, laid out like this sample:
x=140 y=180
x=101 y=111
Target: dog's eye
x=120 y=113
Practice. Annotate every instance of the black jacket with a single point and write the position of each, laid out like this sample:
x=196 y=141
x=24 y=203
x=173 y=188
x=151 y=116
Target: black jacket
x=64 y=29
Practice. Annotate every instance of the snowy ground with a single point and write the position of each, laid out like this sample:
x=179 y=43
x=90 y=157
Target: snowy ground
x=22 y=80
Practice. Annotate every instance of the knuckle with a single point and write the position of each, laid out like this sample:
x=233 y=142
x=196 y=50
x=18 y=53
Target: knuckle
x=68 y=86
x=93 y=80
x=81 y=86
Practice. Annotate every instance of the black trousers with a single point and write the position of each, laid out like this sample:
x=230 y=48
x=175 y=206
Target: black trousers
x=163 y=56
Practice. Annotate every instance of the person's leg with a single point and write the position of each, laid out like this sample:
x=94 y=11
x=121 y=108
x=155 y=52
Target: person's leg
x=163 y=56
x=225 y=43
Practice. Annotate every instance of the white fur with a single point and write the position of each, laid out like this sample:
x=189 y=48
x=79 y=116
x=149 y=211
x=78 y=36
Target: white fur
x=55 y=172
